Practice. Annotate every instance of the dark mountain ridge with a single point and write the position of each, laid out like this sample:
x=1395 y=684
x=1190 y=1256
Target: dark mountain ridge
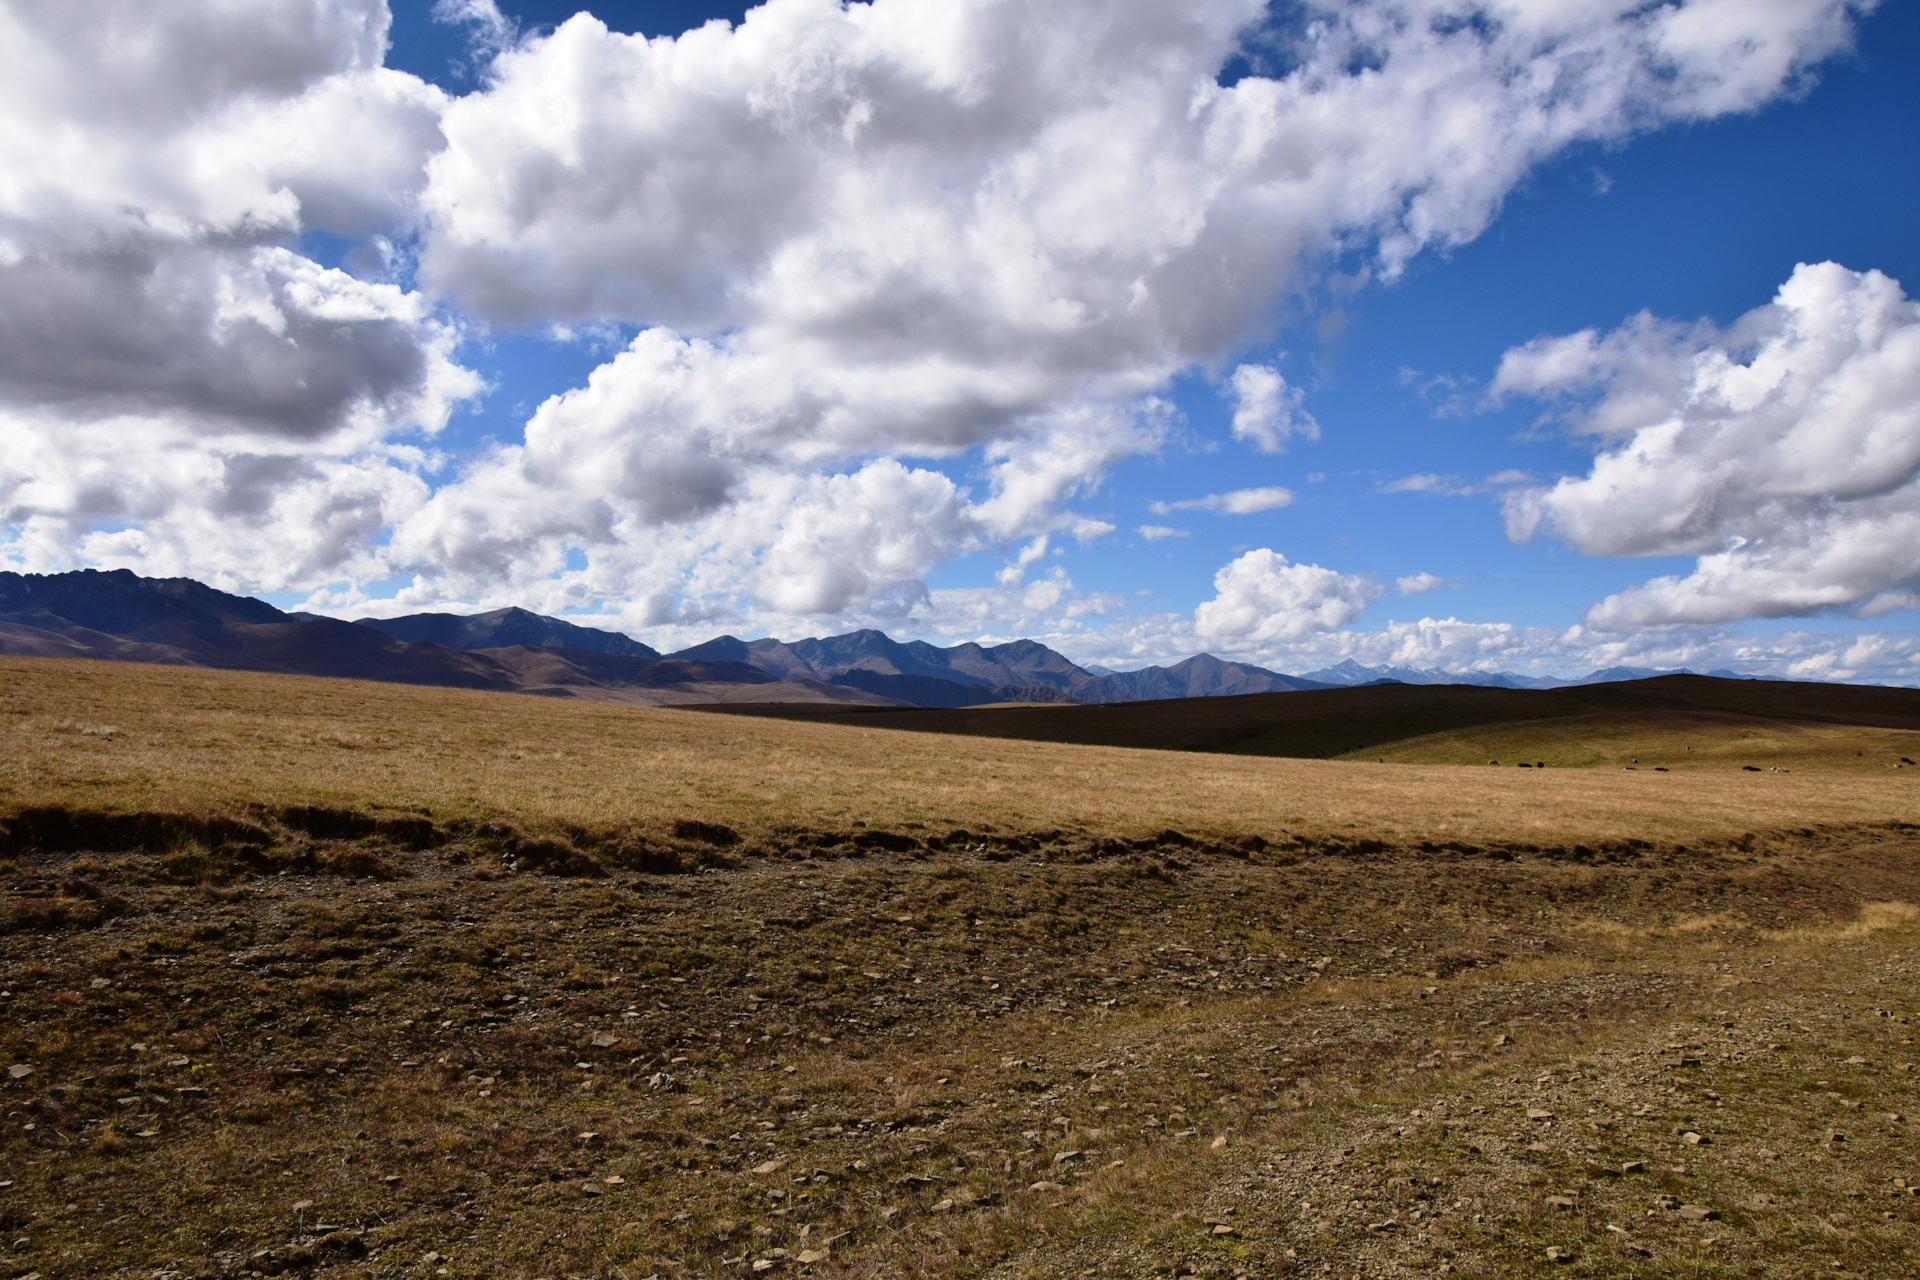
x=504 y=628
x=119 y=601
x=1201 y=676
x=121 y=616
x=877 y=662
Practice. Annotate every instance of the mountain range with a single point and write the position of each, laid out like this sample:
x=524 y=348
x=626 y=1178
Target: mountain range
x=177 y=621
x=929 y=676
x=119 y=615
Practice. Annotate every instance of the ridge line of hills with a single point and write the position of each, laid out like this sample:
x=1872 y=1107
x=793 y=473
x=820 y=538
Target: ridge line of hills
x=119 y=615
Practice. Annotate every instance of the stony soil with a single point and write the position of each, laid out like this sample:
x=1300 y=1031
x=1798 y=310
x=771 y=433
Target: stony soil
x=1002 y=1057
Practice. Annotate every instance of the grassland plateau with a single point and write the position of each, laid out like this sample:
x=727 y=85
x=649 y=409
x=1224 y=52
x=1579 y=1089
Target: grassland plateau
x=323 y=978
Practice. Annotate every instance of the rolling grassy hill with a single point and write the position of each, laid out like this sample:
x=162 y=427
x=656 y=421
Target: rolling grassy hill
x=1670 y=720
x=139 y=738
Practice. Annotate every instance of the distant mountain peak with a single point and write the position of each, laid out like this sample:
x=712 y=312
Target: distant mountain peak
x=917 y=670
x=504 y=628
x=118 y=600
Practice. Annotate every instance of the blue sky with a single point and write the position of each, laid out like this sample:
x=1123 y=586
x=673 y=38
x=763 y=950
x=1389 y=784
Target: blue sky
x=1687 y=200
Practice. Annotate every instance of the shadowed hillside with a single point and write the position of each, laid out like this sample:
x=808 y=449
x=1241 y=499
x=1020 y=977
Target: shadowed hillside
x=1341 y=722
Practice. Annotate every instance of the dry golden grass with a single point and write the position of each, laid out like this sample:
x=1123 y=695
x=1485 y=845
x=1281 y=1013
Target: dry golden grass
x=1675 y=741
x=193 y=739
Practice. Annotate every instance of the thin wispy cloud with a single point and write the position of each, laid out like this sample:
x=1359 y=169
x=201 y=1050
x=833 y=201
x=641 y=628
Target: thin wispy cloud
x=1240 y=502
x=1455 y=486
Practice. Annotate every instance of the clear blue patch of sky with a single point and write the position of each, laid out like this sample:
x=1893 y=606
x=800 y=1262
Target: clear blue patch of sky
x=522 y=371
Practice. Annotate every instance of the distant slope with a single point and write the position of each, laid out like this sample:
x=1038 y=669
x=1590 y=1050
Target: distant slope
x=1336 y=722
x=1350 y=674
x=1201 y=676
x=503 y=628
x=929 y=691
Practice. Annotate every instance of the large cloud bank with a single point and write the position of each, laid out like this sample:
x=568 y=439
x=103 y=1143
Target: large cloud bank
x=916 y=229
x=177 y=384
x=1784 y=453
x=855 y=242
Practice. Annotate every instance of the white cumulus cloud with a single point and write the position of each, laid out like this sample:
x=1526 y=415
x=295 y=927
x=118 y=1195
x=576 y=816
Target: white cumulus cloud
x=1266 y=411
x=1419 y=583
x=182 y=390
x=921 y=228
x=1262 y=598
x=1783 y=453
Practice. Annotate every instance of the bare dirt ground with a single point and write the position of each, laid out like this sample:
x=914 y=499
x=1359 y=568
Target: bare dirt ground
x=976 y=1060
